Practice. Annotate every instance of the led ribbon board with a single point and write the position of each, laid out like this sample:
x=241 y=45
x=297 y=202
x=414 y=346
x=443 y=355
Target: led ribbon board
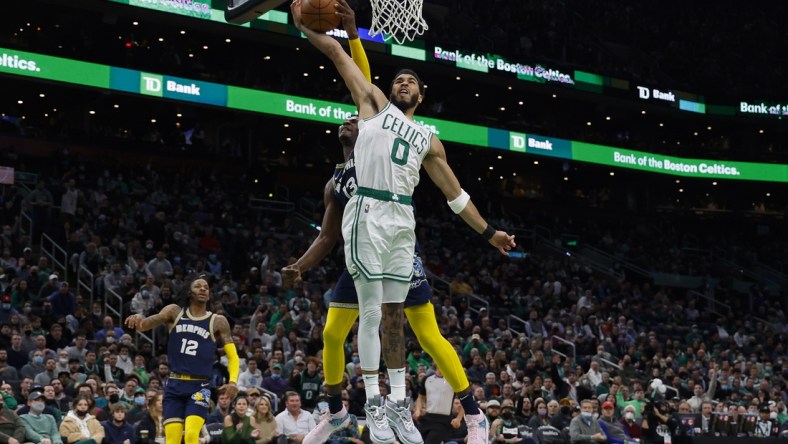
x=57 y=69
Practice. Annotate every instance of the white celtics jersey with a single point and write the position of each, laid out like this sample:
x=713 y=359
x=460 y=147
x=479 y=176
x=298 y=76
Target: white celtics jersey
x=389 y=151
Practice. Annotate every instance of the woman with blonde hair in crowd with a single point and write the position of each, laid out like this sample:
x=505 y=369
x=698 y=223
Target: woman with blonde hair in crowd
x=264 y=420
x=150 y=428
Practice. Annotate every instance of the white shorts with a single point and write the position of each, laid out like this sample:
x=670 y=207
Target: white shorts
x=379 y=239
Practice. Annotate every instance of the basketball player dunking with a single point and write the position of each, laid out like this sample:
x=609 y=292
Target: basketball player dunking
x=191 y=352
x=343 y=310
x=378 y=222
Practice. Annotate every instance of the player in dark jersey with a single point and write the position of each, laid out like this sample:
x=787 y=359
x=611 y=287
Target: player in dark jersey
x=191 y=352
x=343 y=309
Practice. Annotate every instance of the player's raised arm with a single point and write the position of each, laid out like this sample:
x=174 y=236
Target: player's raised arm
x=167 y=315
x=459 y=201
x=366 y=96
x=223 y=333
x=330 y=233
x=357 y=52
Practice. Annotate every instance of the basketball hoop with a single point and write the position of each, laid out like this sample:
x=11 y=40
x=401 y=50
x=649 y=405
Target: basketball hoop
x=397 y=19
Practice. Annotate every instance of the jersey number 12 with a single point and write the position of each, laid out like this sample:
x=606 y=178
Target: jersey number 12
x=189 y=347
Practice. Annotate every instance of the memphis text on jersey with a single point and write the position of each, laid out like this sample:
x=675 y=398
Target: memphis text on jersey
x=191 y=328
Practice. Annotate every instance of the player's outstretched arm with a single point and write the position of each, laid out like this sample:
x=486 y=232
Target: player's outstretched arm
x=442 y=175
x=366 y=96
x=330 y=233
x=221 y=329
x=167 y=315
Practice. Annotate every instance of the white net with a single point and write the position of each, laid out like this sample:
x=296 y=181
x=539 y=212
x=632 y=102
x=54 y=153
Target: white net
x=397 y=19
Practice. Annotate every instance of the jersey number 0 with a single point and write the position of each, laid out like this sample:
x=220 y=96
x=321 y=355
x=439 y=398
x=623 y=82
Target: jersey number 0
x=400 y=151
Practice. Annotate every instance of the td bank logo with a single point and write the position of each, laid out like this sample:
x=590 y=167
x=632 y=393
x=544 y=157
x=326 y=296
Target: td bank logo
x=517 y=142
x=151 y=84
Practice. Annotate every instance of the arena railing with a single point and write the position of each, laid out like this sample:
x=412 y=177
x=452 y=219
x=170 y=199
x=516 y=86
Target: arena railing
x=55 y=253
x=551 y=247
x=261 y=204
x=112 y=297
x=437 y=283
x=589 y=251
x=714 y=305
x=25 y=228
x=609 y=363
x=85 y=282
x=571 y=344
x=480 y=303
x=148 y=337
x=770 y=280
x=519 y=321
x=772 y=273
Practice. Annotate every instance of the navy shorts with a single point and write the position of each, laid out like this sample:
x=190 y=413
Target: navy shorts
x=345 y=296
x=185 y=398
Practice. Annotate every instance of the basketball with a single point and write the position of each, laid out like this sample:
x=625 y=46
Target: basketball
x=319 y=15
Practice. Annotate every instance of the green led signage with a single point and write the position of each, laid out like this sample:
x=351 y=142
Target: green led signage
x=26 y=64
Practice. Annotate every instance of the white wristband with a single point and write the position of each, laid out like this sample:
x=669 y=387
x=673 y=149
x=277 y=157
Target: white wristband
x=459 y=204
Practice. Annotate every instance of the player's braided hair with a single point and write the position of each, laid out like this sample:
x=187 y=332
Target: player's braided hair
x=186 y=293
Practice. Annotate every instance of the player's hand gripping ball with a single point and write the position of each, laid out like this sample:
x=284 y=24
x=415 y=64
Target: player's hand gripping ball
x=320 y=15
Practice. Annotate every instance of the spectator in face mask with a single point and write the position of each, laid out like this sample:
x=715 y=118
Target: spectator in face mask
x=35 y=366
x=612 y=429
x=630 y=425
x=584 y=429
x=39 y=427
x=109 y=326
x=79 y=426
x=139 y=408
x=111 y=396
x=275 y=382
x=506 y=427
x=540 y=418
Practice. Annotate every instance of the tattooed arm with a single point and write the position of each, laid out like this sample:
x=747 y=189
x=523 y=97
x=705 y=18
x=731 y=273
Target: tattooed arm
x=166 y=315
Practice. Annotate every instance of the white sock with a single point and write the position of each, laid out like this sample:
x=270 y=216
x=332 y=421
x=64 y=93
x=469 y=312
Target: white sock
x=371 y=386
x=397 y=382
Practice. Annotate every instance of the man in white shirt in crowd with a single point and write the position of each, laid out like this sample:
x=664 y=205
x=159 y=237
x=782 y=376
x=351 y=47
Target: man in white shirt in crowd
x=293 y=422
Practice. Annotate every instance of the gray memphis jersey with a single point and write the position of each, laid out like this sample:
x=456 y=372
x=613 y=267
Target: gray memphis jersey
x=389 y=151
